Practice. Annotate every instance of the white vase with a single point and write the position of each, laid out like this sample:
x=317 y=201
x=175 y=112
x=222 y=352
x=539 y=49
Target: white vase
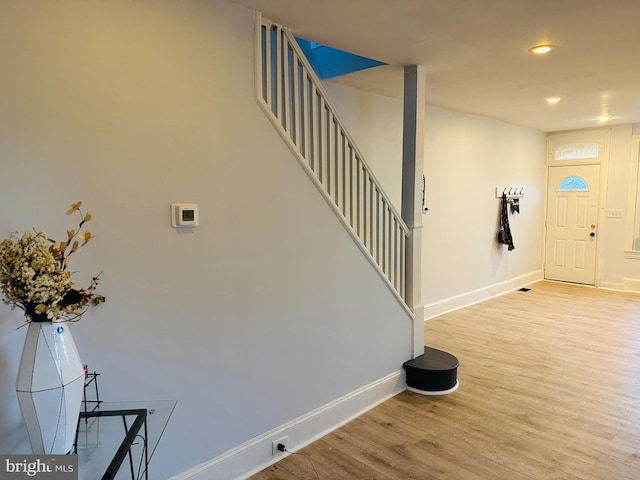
x=50 y=387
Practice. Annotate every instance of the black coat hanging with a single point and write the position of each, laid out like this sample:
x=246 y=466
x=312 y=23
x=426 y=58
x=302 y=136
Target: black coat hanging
x=504 y=235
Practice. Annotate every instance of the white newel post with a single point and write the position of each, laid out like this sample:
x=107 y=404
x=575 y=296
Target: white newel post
x=412 y=168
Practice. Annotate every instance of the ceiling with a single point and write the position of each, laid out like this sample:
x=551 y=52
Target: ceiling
x=476 y=57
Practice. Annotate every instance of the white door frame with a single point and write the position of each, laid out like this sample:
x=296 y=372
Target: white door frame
x=576 y=228
x=601 y=136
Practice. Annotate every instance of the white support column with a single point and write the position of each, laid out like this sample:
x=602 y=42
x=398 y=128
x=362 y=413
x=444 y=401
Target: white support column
x=412 y=167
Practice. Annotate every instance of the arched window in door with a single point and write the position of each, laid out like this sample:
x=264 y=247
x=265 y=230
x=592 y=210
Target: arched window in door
x=573 y=184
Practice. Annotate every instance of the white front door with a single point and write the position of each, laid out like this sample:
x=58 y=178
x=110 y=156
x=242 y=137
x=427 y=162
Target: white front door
x=572 y=214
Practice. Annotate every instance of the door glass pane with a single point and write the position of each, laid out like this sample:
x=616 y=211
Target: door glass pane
x=574 y=151
x=573 y=184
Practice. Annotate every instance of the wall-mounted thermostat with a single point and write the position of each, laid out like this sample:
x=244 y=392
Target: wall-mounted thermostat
x=184 y=215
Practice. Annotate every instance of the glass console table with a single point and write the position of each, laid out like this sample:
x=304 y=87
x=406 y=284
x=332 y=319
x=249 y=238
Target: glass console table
x=117 y=440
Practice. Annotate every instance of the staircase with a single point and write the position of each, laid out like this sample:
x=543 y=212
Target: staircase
x=292 y=97
x=294 y=100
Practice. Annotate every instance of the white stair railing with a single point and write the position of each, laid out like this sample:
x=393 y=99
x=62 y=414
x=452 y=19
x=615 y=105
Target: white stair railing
x=293 y=98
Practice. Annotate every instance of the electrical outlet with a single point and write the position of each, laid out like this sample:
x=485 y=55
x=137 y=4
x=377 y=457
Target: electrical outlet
x=274 y=445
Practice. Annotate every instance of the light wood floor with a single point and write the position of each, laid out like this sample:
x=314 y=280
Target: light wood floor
x=549 y=389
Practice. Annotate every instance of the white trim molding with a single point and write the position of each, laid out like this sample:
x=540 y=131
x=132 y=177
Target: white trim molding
x=255 y=455
x=480 y=295
x=631 y=284
x=600 y=136
x=633 y=201
x=617 y=286
x=632 y=254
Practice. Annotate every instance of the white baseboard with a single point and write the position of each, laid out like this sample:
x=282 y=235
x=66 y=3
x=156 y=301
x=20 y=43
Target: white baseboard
x=612 y=286
x=627 y=285
x=631 y=284
x=255 y=455
x=476 y=296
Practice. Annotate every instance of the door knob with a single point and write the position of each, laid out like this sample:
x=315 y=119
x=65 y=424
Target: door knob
x=592 y=234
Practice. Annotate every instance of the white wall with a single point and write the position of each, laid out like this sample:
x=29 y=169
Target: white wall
x=375 y=122
x=613 y=232
x=466 y=158
x=267 y=310
x=631 y=275
x=618 y=272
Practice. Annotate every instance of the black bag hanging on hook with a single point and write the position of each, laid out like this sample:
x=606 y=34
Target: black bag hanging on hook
x=504 y=235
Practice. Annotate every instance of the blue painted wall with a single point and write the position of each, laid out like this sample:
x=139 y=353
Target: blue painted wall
x=330 y=62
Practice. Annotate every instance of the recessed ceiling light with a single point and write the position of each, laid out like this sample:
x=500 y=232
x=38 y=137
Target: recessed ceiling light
x=541 y=49
x=553 y=100
x=604 y=118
